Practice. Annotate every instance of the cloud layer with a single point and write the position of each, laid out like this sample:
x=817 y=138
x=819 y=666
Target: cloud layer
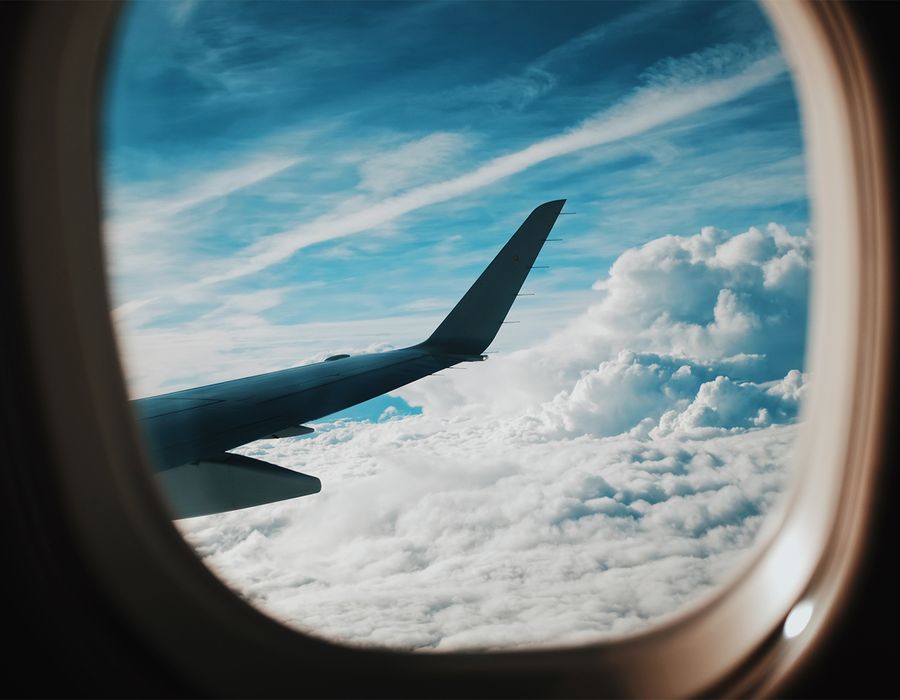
x=482 y=536
x=584 y=487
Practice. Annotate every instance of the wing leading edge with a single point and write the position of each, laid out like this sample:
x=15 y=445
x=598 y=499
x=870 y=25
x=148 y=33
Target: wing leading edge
x=189 y=432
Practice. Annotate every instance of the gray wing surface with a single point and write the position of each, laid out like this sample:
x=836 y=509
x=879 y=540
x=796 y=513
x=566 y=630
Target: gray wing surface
x=189 y=432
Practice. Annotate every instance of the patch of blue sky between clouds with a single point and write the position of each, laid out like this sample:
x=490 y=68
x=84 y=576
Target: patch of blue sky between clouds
x=374 y=410
x=377 y=410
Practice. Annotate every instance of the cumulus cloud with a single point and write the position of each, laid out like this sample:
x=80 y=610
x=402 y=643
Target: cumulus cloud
x=584 y=487
x=666 y=394
x=713 y=302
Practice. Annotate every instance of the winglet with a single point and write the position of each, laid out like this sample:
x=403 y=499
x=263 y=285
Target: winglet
x=476 y=318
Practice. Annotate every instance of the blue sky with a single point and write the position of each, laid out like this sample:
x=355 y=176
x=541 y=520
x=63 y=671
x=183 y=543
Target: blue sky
x=242 y=139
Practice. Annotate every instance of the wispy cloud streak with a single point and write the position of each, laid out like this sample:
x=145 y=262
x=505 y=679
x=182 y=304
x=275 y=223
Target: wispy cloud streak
x=137 y=213
x=646 y=109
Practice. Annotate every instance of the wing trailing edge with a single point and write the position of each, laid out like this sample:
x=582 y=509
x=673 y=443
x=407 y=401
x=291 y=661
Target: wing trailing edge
x=230 y=482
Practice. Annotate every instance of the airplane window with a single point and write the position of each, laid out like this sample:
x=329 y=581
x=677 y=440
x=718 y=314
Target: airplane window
x=457 y=326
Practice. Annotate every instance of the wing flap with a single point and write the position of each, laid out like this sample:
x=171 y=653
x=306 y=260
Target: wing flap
x=229 y=482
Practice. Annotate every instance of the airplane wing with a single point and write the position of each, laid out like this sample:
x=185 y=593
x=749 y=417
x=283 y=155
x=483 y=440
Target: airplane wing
x=189 y=432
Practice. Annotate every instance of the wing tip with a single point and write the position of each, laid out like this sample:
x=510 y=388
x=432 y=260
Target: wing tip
x=556 y=204
x=475 y=320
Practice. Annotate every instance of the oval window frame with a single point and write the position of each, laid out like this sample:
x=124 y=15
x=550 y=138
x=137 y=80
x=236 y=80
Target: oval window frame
x=730 y=643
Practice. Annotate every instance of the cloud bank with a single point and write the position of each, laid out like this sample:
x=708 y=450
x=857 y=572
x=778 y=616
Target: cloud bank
x=688 y=308
x=585 y=487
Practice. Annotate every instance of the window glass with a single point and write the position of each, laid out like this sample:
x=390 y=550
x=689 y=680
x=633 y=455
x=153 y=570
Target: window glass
x=285 y=182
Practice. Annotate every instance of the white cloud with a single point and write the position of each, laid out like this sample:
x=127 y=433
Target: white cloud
x=723 y=405
x=665 y=395
x=511 y=91
x=411 y=163
x=439 y=535
x=582 y=488
x=148 y=234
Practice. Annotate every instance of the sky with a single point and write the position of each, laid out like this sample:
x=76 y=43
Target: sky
x=287 y=180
